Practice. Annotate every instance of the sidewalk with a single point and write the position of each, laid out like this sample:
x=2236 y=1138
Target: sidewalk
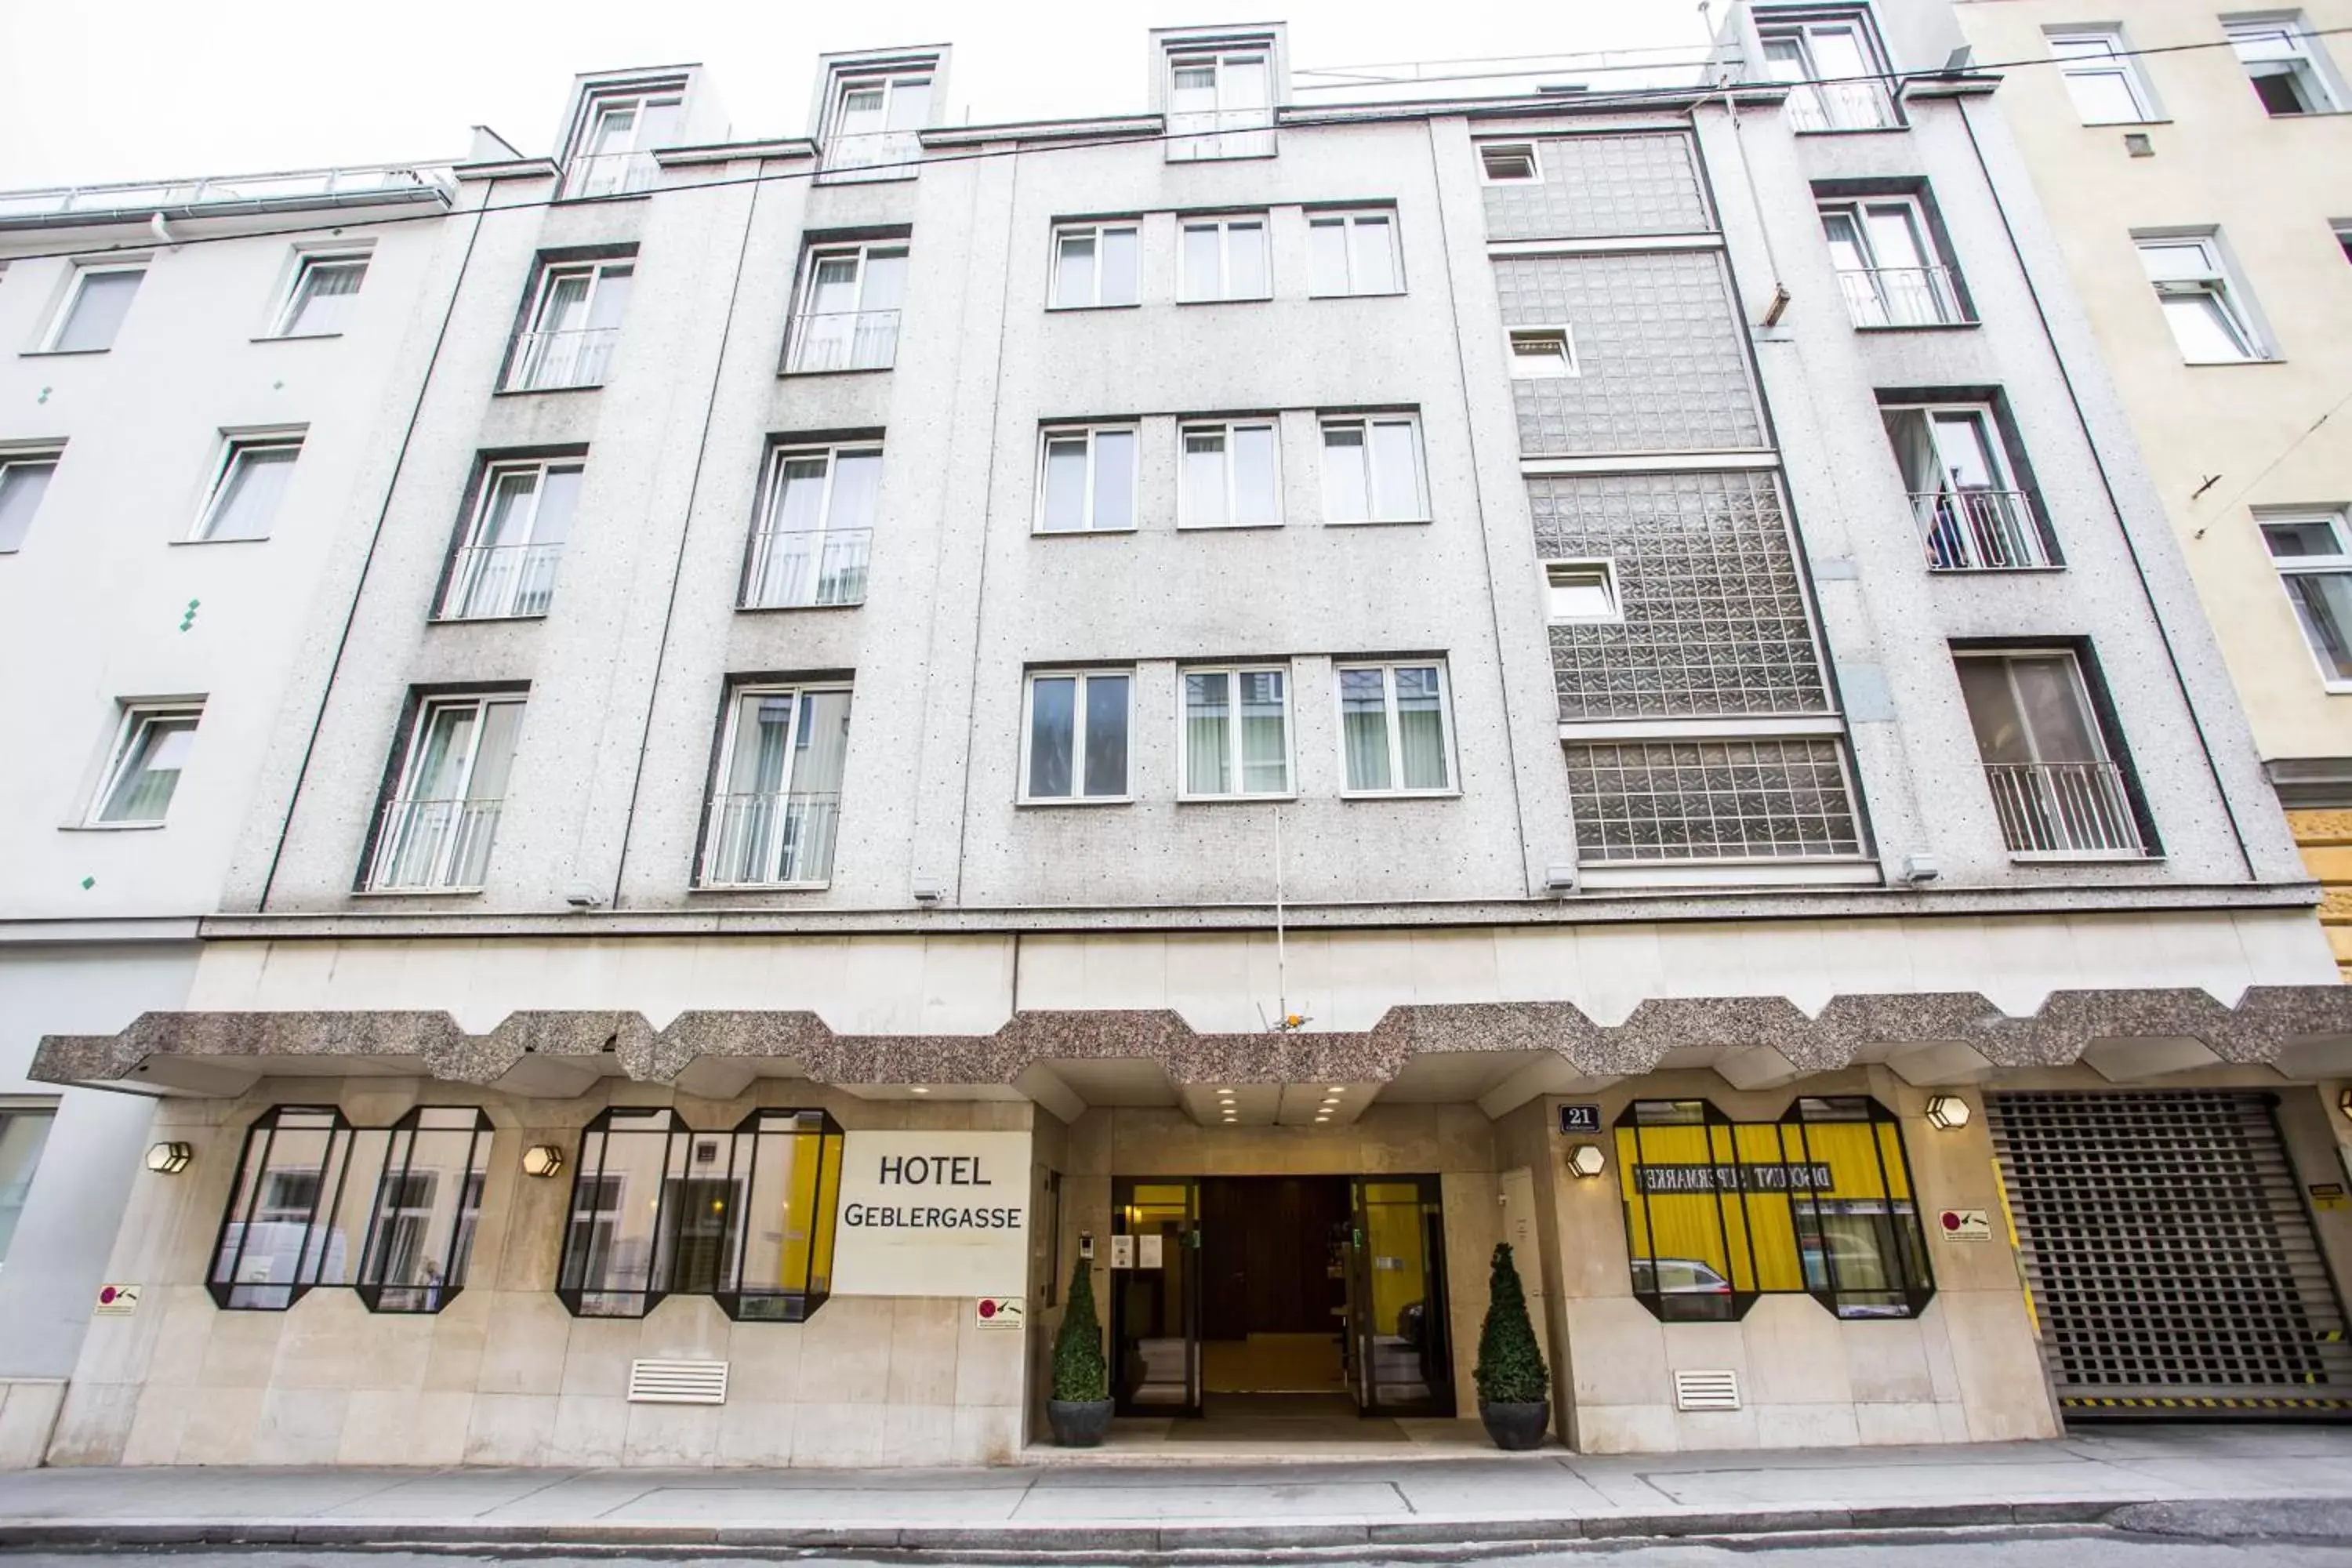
x=2225 y=1480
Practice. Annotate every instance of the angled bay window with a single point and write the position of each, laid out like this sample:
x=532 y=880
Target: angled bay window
x=815 y=532
x=1887 y=264
x=621 y=1241
x=436 y=831
x=575 y=320
x=1095 y=265
x=1352 y=253
x=1074 y=744
x=1395 y=731
x=1230 y=477
x=783 y=1175
x=1220 y=103
x=428 y=1204
x=612 y=150
x=1237 y=738
x=1088 y=480
x=1373 y=470
x=1833 y=67
x=1223 y=259
x=847 y=318
x=280 y=1235
x=773 y=817
x=505 y=562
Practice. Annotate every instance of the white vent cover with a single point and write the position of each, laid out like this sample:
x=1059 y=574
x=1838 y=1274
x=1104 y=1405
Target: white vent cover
x=677 y=1383
x=1705 y=1390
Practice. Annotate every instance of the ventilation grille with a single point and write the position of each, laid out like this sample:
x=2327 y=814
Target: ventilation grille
x=1706 y=1390
x=677 y=1383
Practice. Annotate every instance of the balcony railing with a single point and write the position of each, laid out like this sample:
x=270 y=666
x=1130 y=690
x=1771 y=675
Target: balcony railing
x=1980 y=530
x=2063 y=808
x=1860 y=104
x=434 y=845
x=544 y=362
x=770 y=840
x=806 y=569
x=871 y=155
x=356 y=186
x=1901 y=296
x=497 y=581
x=609 y=175
x=844 y=340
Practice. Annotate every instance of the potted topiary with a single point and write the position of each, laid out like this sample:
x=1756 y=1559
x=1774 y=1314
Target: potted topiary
x=1080 y=1409
x=1514 y=1389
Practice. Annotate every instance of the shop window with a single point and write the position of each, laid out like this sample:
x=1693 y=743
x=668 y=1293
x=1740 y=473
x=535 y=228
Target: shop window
x=283 y=1234
x=783 y=1173
x=428 y=1204
x=1820 y=1201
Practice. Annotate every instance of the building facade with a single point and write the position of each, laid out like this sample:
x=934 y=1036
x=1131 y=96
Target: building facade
x=1255 y=698
x=2197 y=166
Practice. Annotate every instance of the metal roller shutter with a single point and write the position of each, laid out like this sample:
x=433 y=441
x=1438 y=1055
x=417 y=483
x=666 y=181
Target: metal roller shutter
x=2173 y=1264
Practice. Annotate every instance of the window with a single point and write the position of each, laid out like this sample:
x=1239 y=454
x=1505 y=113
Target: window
x=286 y=1229
x=506 y=565
x=1393 y=731
x=150 y=749
x=428 y=1204
x=1230 y=477
x=2102 y=78
x=2313 y=551
x=96 y=303
x=1538 y=353
x=1236 y=732
x=2344 y=239
x=613 y=155
x=1508 y=163
x=875 y=120
x=1220 y=105
x=247 y=487
x=23 y=1132
x=1372 y=470
x=1728 y=801
x=575 y=318
x=2284 y=63
x=1720 y=1212
x=815 y=532
x=319 y=301
x=2057 y=792
x=1887 y=266
x=1094 y=265
x=848 y=316
x=1835 y=76
x=1225 y=258
x=1972 y=513
x=436 y=829
x=1075 y=747
x=24 y=479
x=773 y=817
x=1089 y=480
x=1352 y=253
x=2201 y=303
x=1580 y=591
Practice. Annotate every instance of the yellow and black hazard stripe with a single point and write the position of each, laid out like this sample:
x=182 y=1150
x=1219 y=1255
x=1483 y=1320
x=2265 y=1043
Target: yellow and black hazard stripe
x=2194 y=1402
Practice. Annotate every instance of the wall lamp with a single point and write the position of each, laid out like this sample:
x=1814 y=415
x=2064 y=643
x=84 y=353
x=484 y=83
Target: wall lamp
x=541 y=1160
x=2344 y=1100
x=1586 y=1161
x=1948 y=1112
x=169 y=1159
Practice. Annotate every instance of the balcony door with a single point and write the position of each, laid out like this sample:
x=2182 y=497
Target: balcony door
x=1970 y=509
x=2057 y=790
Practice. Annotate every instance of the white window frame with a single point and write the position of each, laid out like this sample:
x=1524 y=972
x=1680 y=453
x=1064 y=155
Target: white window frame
x=1234 y=770
x=1083 y=677
x=1050 y=434
x=49 y=458
x=804 y=299
x=381 y=854
x=764 y=521
x=1601 y=567
x=528 y=350
x=1395 y=732
x=845 y=153
x=1529 y=367
x=1185 y=430
x=1533 y=151
x=2101 y=51
x=136 y=717
x=234 y=450
x=598 y=104
x=305 y=263
x=64 y=313
x=1094 y=230
x=1346 y=221
x=2293 y=30
x=1226 y=130
x=1224 y=223
x=1419 y=510
x=463 y=574
x=2338 y=523
x=1819 y=95
x=2222 y=284
x=1939 y=281
x=726 y=765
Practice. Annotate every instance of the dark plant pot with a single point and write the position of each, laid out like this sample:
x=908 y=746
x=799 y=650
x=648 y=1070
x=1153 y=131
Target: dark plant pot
x=1078 y=1423
x=1517 y=1426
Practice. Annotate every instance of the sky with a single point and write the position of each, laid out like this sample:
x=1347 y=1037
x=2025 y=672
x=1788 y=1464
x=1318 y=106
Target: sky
x=135 y=90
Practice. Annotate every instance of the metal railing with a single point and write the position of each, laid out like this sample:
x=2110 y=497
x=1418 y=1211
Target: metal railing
x=1856 y=104
x=807 y=568
x=769 y=840
x=2063 y=808
x=355 y=184
x=434 y=843
x=882 y=151
x=844 y=340
x=609 y=175
x=1901 y=296
x=1980 y=530
x=497 y=581
x=546 y=361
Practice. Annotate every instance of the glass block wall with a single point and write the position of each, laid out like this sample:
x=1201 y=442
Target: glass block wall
x=1592 y=187
x=1709 y=800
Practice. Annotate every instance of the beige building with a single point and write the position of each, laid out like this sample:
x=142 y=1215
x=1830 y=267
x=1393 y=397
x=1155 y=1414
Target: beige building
x=2195 y=163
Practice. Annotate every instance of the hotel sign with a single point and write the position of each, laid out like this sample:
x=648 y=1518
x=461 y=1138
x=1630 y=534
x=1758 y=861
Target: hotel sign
x=1741 y=1178
x=933 y=1214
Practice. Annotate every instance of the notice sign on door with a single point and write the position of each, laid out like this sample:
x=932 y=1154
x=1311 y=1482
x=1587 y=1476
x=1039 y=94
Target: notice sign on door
x=1000 y=1312
x=1965 y=1225
x=1150 y=1251
x=116 y=1300
x=932 y=1213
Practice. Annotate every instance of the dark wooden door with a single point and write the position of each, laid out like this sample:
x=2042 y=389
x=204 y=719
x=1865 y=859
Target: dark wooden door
x=1265 y=1252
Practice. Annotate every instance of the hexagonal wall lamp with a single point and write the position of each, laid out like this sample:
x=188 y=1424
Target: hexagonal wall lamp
x=169 y=1159
x=1586 y=1161
x=2344 y=1101
x=541 y=1160
x=1948 y=1112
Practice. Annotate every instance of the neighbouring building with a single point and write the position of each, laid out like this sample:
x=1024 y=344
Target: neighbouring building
x=2197 y=166
x=1255 y=696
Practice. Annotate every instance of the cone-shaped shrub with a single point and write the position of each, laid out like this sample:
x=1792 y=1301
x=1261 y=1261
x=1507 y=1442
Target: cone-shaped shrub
x=1510 y=1367
x=1080 y=1372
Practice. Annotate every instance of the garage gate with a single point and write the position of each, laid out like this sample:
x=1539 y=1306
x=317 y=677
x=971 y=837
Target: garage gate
x=2171 y=1262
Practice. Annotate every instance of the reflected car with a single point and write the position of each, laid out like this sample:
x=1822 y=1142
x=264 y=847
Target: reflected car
x=1677 y=1277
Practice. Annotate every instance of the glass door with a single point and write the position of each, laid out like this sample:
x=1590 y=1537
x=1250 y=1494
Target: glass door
x=1402 y=1332
x=1155 y=1296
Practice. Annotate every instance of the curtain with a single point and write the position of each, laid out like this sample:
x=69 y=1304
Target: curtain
x=1421 y=728
x=1119 y=268
x=150 y=772
x=1265 y=751
x=1374 y=255
x=1364 y=729
x=1065 y=484
x=1204 y=477
x=1246 y=266
x=22 y=1135
x=1114 y=476
x=21 y=488
x=248 y=498
x=1053 y=717
x=1203 y=272
x=1346 y=498
x=1327 y=256
x=1073 y=270
x=1106 y=734
x=1208 y=728
x=1255 y=500
x=821 y=747
x=1396 y=470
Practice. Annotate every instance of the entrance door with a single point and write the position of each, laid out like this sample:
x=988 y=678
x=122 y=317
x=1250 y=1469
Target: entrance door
x=1402 y=1331
x=1155 y=1304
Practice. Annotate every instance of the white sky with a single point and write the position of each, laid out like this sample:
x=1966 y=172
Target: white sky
x=127 y=89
